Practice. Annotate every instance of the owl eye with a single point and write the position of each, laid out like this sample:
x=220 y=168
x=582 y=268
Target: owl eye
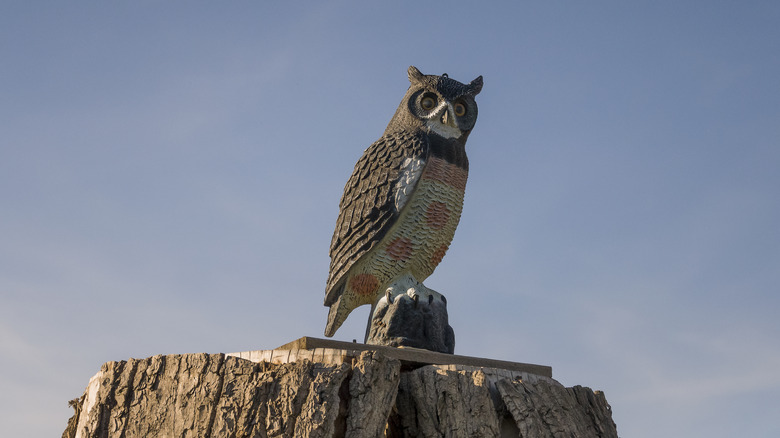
x=460 y=109
x=428 y=103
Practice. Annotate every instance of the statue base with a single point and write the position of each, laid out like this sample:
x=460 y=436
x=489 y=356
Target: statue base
x=411 y=315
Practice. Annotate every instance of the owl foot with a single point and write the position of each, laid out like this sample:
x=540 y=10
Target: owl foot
x=411 y=315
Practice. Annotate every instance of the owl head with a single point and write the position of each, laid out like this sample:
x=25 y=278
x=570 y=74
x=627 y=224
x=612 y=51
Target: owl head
x=438 y=105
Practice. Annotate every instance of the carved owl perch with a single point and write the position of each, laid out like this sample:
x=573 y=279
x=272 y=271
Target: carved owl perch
x=403 y=201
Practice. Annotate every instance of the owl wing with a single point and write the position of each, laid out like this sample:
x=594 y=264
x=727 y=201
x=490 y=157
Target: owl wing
x=368 y=207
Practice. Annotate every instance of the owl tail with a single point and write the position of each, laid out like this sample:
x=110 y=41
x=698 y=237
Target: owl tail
x=336 y=317
x=342 y=302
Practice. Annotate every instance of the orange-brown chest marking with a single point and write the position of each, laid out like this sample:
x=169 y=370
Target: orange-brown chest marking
x=421 y=236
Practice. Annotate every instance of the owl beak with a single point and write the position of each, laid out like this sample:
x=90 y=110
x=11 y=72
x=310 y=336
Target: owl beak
x=447 y=119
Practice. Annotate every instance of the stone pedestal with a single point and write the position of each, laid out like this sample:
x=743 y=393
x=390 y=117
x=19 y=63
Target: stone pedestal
x=411 y=315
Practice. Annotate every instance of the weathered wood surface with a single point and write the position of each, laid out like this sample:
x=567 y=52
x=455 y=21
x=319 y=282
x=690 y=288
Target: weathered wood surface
x=320 y=350
x=371 y=395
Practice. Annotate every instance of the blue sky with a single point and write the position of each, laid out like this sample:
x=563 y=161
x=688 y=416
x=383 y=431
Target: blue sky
x=170 y=175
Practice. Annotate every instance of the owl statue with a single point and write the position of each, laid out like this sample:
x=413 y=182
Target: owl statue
x=401 y=205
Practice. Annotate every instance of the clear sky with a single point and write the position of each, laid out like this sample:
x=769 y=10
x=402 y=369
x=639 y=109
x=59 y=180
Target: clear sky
x=170 y=174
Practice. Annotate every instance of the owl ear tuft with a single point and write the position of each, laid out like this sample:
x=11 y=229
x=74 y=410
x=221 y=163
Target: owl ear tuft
x=475 y=86
x=414 y=74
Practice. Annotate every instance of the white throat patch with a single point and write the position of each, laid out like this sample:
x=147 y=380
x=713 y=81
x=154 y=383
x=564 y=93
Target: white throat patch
x=440 y=128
